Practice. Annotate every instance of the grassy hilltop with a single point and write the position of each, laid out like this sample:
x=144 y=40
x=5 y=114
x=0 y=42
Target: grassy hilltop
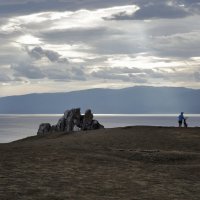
x=120 y=163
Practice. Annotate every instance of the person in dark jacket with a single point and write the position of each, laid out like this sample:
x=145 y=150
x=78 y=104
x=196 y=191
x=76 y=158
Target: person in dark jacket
x=181 y=118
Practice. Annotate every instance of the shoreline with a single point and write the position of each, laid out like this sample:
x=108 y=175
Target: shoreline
x=83 y=132
x=34 y=132
x=14 y=128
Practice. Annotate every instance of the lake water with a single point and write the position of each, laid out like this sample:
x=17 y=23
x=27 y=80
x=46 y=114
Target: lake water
x=14 y=127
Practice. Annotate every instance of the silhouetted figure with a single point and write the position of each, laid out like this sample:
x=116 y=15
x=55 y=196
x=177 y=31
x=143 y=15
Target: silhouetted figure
x=181 y=118
x=185 y=122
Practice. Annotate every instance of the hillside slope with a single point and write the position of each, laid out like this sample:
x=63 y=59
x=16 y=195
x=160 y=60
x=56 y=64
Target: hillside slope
x=121 y=163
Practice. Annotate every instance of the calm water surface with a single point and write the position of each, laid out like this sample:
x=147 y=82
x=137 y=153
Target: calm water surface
x=14 y=127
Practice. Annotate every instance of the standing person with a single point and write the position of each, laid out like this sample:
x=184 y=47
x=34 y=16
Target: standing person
x=181 y=118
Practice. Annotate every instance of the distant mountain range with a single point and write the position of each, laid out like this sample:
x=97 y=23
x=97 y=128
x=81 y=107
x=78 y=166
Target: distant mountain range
x=133 y=100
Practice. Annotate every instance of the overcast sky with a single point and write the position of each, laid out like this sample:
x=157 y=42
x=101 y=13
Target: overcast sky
x=65 y=45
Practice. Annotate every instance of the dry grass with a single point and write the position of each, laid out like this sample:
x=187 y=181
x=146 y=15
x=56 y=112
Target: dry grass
x=123 y=163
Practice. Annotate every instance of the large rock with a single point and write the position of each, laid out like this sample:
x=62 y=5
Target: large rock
x=87 y=120
x=72 y=120
x=69 y=120
x=60 y=126
x=96 y=125
x=44 y=128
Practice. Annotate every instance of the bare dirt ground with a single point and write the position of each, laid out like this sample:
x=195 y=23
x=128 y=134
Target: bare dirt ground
x=122 y=163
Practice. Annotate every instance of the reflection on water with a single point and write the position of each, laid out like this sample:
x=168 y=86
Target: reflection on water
x=14 y=127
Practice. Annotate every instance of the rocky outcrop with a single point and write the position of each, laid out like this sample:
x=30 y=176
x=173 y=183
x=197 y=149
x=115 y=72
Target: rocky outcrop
x=72 y=121
x=87 y=120
x=44 y=129
x=69 y=120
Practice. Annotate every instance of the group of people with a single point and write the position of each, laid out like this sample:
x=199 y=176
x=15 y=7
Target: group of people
x=182 y=120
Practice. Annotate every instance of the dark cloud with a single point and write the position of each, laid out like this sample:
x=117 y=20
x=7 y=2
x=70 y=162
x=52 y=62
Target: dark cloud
x=55 y=72
x=182 y=3
x=27 y=71
x=154 y=11
x=33 y=6
x=38 y=53
x=14 y=7
x=192 y=5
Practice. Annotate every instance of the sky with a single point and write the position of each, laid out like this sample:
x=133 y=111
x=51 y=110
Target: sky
x=67 y=45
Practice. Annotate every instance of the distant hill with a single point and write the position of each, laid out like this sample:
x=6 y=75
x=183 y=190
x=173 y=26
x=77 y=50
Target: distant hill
x=133 y=100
